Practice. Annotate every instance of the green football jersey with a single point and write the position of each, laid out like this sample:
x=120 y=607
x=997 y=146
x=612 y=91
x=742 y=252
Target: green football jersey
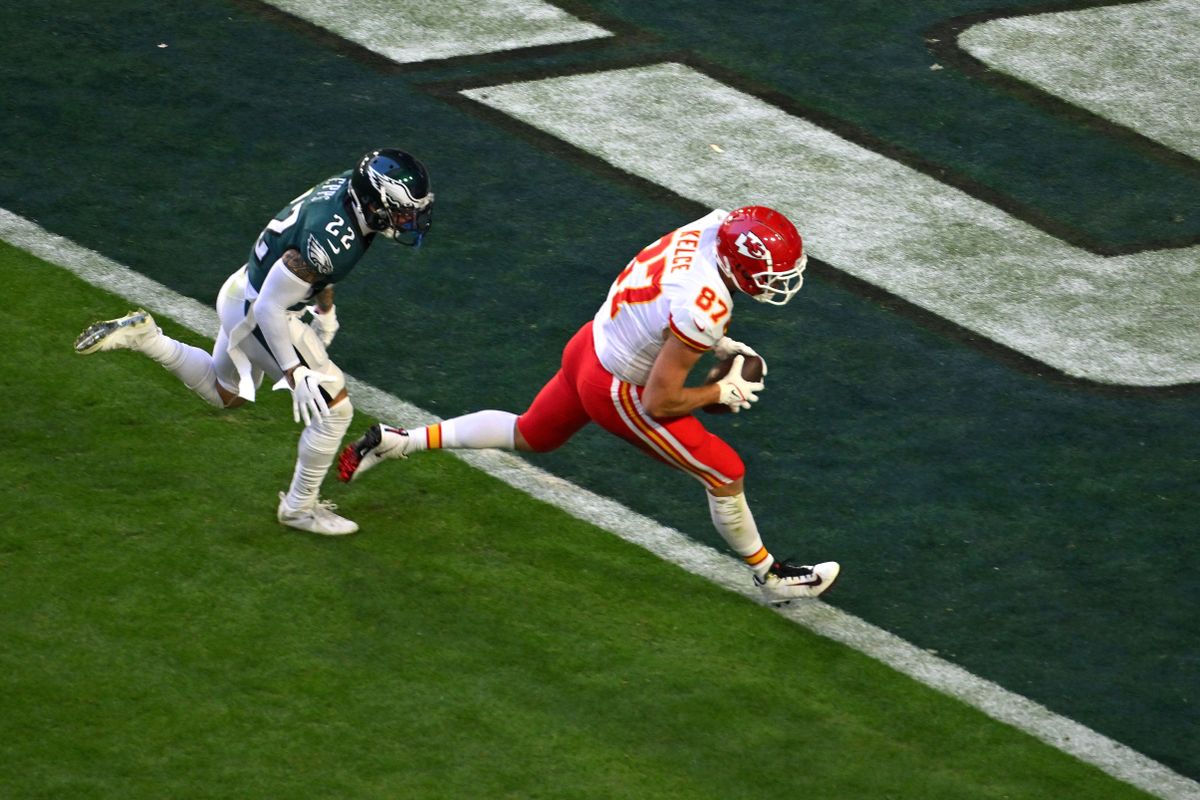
x=321 y=225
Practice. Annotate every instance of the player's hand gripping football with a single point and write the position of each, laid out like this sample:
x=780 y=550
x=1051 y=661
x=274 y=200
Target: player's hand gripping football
x=325 y=323
x=736 y=391
x=307 y=401
x=727 y=348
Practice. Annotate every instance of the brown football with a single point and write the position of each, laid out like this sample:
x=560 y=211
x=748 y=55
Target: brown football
x=752 y=370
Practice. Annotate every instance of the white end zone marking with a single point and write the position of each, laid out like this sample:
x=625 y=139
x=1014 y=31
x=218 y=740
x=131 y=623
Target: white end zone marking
x=1136 y=64
x=410 y=32
x=1128 y=320
x=669 y=544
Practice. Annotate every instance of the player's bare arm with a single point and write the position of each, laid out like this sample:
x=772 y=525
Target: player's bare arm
x=299 y=266
x=665 y=394
x=324 y=298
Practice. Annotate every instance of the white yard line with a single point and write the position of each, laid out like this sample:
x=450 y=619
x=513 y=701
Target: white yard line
x=412 y=32
x=1066 y=735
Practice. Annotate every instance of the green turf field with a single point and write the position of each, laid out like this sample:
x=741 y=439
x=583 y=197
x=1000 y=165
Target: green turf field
x=164 y=637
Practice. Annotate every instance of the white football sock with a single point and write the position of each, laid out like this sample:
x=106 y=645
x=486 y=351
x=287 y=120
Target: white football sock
x=319 y=444
x=733 y=520
x=190 y=364
x=477 y=431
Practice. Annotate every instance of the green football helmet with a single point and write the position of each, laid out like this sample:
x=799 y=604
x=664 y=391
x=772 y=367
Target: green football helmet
x=390 y=191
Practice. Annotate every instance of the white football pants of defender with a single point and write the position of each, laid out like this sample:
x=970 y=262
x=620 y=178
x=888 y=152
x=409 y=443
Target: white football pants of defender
x=321 y=439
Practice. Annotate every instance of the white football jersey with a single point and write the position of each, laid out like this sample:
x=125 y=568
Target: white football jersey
x=672 y=288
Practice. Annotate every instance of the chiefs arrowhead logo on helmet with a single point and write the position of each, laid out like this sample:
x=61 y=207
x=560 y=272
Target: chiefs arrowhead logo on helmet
x=761 y=252
x=751 y=246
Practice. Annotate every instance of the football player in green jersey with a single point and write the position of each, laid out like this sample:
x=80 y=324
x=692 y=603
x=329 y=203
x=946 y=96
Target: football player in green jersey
x=311 y=245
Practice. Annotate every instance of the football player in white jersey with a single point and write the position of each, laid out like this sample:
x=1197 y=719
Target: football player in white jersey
x=311 y=244
x=626 y=368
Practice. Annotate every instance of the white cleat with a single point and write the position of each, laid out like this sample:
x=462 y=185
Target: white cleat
x=378 y=443
x=317 y=518
x=786 y=582
x=126 y=333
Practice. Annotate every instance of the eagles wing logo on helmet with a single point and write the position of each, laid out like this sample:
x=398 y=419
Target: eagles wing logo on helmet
x=748 y=244
x=395 y=192
x=318 y=257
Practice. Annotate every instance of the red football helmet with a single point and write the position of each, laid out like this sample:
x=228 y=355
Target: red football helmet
x=760 y=250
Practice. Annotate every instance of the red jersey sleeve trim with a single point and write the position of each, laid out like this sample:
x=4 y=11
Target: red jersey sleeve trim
x=699 y=347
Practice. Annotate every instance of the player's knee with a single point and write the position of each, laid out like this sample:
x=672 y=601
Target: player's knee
x=324 y=434
x=341 y=408
x=530 y=439
x=337 y=421
x=229 y=399
x=316 y=358
x=342 y=397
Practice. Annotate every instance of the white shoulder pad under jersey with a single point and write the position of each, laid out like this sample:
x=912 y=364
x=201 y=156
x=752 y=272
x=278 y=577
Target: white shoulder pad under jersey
x=672 y=288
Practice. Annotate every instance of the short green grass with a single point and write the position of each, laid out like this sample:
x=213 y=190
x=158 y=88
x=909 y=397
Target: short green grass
x=163 y=636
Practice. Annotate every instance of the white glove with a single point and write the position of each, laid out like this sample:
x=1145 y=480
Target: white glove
x=307 y=401
x=728 y=348
x=736 y=391
x=324 y=323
